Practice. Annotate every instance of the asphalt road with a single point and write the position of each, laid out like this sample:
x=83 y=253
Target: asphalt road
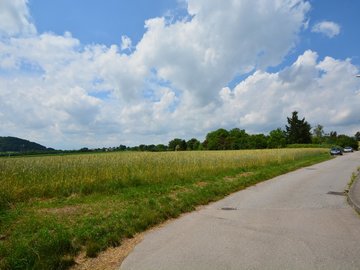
x=289 y=222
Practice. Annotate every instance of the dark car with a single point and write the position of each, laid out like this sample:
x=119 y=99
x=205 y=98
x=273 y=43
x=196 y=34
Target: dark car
x=335 y=151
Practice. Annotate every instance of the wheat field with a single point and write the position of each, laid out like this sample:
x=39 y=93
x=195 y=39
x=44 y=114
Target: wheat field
x=24 y=178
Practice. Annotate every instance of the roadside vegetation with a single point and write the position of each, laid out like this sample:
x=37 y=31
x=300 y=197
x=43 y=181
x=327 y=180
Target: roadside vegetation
x=353 y=177
x=53 y=207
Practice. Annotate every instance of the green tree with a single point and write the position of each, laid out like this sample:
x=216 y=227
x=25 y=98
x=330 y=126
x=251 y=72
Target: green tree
x=318 y=134
x=217 y=140
x=193 y=144
x=238 y=139
x=151 y=148
x=276 y=139
x=344 y=140
x=331 y=138
x=257 y=141
x=298 y=131
x=142 y=147
x=177 y=145
x=173 y=143
x=357 y=136
x=161 y=147
x=122 y=147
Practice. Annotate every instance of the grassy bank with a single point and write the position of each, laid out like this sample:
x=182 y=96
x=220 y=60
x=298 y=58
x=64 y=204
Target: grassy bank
x=53 y=207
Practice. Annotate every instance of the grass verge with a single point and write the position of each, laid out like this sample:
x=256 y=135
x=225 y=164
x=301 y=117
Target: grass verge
x=353 y=177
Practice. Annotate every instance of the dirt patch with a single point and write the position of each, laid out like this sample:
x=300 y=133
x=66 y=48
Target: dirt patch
x=235 y=177
x=68 y=210
x=201 y=184
x=173 y=195
x=110 y=259
x=245 y=174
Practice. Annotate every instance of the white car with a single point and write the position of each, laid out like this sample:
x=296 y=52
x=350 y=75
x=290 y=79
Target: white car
x=348 y=149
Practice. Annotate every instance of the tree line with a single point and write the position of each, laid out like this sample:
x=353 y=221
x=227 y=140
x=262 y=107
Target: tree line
x=297 y=132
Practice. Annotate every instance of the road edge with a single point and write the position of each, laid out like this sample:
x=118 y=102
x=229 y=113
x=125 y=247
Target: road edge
x=353 y=196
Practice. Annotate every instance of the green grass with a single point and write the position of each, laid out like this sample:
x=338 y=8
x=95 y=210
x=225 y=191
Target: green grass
x=53 y=207
x=353 y=177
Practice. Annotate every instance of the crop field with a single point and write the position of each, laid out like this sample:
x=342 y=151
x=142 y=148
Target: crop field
x=53 y=207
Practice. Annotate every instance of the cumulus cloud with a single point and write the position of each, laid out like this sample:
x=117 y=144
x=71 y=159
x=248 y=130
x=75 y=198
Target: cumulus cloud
x=324 y=91
x=328 y=28
x=222 y=39
x=15 y=18
x=65 y=94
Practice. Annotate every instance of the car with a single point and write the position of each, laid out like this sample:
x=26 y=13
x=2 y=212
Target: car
x=348 y=149
x=336 y=151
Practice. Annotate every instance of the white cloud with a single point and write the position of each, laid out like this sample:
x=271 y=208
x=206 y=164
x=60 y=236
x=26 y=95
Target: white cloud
x=63 y=94
x=221 y=40
x=15 y=18
x=328 y=28
x=126 y=43
x=324 y=92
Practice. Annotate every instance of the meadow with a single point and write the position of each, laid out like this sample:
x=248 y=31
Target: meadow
x=53 y=207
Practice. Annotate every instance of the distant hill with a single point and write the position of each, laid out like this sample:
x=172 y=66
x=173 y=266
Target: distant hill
x=13 y=144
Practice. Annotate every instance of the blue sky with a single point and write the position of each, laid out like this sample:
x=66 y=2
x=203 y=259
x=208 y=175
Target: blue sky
x=344 y=13
x=104 y=73
x=98 y=22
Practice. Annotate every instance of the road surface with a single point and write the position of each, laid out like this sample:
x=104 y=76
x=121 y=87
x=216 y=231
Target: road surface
x=289 y=222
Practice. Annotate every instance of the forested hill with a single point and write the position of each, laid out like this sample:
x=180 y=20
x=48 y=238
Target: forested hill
x=13 y=144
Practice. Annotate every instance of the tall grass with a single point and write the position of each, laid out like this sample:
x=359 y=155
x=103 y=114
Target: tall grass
x=27 y=178
x=51 y=207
